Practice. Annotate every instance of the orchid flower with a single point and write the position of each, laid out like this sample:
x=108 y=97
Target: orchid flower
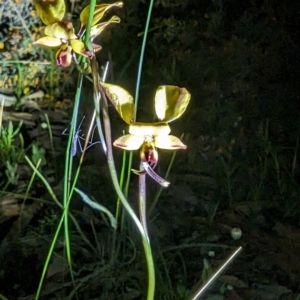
x=170 y=104
x=61 y=34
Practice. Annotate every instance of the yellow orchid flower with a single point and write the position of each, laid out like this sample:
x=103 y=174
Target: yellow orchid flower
x=170 y=104
x=60 y=34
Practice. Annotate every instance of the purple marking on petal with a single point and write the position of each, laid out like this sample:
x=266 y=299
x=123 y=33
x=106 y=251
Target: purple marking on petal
x=155 y=176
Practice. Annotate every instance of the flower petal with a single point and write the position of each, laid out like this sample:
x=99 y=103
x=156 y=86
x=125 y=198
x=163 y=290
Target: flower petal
x=100 y=10
x=48 y=41
x=129 y=142
x=122 y=101
x=79 y=47
x=168 y=142
x=150 y=129
x=171 y=102
x=61 y=30
x=64 y=56
x=97 y=29
x=50 y=11
x=155 y=176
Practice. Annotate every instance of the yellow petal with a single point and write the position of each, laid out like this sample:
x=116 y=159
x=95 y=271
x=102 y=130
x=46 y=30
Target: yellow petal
x=48 y=42
x=100 y=10
x=97 y=29
x=50 y=11
x=61 y=30
x=168 y=142
x=121 y=100
x=129 y=142
x=171 y=102
x=158 y=128
x=79 y=47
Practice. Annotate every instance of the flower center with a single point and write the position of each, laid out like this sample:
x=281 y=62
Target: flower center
x=148 y=152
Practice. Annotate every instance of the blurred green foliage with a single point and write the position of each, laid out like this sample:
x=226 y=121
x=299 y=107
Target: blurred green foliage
x=9 y=151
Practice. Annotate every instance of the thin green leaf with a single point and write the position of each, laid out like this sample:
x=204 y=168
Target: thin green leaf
x=97 y=206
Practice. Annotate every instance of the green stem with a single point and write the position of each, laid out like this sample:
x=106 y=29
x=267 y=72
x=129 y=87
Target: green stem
x=138 y=81
x=113 y=172
x=118 y=209
x=68 y=174
x=89 y=26
x=142 y=198
x=2 y=297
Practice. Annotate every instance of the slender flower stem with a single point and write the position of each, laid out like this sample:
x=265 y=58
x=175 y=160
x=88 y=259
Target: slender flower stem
x=138 y=80
x=89 y=26
x=113 y=172
x=68 y=174
x=142 y=198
